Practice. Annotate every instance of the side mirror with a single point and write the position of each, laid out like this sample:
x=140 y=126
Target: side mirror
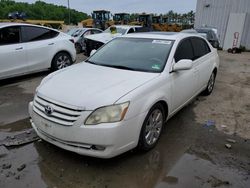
x=184 y=64
x=92 y=52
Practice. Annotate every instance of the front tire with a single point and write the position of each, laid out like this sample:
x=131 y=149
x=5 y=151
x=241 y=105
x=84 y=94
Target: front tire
x=152 y=127
x=210 y=84
x=60 y=61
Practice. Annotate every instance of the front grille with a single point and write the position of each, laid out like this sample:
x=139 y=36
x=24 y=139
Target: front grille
x=59 y=114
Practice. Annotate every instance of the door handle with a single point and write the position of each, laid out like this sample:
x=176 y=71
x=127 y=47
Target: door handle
x=19 y=48
x=51 y=44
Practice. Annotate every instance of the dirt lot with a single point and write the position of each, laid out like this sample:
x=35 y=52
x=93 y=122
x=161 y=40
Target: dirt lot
x=189 y=153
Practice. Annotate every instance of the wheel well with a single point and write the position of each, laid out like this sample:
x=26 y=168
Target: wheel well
x=165 y=106
x=60 y=52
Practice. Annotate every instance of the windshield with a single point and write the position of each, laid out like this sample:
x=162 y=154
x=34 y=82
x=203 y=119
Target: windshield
x=71 y=31
x=147 y=55
x=114 y=30
x=75 y=32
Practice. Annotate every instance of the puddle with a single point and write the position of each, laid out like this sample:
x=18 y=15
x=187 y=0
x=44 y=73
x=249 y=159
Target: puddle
x=14 y=128
x=192 y=171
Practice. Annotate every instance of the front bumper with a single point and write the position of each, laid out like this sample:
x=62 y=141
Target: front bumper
x=103 y=140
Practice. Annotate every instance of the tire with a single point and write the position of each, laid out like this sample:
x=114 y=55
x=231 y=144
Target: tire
x=78 y=48
x=210 y=84
x=151 y=130
x=60 y=61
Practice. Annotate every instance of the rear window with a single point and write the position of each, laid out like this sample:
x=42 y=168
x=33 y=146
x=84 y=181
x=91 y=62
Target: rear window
x=30 y=33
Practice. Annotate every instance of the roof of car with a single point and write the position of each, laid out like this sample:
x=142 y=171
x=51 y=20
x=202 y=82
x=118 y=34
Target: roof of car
x=12 y=24
x=127 y=26
x=161 y=35
x=4 y=24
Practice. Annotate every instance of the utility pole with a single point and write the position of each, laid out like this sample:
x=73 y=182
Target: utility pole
x=69 y=12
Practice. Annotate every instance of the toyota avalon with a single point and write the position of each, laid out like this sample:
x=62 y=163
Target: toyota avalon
x=122 y=95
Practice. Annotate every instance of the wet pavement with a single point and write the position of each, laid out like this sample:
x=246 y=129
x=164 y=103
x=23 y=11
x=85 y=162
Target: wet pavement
x=188 y=154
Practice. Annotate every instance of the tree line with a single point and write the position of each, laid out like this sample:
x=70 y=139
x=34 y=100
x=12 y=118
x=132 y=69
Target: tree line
x=41 y=10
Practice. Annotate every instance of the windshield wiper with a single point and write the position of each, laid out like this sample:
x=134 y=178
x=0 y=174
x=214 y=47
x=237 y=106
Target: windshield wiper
x=119 y=67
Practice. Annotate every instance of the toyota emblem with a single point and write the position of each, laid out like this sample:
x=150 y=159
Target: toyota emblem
x=48 y=110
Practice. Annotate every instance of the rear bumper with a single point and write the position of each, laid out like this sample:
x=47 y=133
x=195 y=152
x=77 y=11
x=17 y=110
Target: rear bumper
x=103 y=141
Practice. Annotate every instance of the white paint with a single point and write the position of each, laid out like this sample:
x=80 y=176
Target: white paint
x=27 y=57
x=234 y=30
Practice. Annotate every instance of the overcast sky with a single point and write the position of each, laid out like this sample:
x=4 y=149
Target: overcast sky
x=130 y=6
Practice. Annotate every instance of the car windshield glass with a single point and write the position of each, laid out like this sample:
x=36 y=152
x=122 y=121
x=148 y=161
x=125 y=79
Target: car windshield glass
x=147 y=55
x=71 y=31
x=114 y=30
x=76 y=32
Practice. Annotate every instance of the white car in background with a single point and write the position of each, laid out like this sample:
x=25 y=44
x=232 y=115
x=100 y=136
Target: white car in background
x=121 y=97
x=93 y=42
x=26 y=48
x=79 y=34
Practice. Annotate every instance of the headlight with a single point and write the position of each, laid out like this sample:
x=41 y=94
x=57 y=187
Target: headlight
x=108 y=114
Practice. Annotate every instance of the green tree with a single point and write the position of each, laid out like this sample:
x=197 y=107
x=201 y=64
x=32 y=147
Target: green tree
x=41 y=10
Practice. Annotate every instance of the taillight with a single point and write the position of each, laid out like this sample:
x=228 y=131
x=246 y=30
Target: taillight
x=72 y=40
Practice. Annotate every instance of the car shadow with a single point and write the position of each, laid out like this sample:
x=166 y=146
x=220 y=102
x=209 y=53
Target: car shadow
x=22 y=78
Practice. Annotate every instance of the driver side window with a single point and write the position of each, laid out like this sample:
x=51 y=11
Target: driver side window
x=184 y=51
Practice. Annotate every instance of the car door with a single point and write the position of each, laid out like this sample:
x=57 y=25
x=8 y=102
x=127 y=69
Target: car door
x=82 y=41
x=40 y=44
x=202 y=60
x=13 y=60
x=184 y=82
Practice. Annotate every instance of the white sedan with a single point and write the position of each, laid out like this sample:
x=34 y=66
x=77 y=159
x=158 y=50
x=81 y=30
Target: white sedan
x=121 y=97
x=26 y=48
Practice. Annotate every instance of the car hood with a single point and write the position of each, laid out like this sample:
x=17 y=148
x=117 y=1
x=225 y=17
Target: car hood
x=103 y=37
x=86 y=86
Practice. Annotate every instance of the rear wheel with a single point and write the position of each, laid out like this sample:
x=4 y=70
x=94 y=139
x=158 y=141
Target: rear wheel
x=60 y=61
x=210 y=85
x=152 y=127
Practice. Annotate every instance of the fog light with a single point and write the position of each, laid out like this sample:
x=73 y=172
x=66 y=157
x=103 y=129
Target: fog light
x=100 y=148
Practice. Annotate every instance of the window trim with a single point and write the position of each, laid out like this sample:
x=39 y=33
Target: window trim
x=20 y=34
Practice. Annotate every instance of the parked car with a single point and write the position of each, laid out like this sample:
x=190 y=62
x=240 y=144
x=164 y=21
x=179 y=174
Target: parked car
x=121 y=97
x=193 y=31
x=79 y=33
x=26 y=48
x=211 y=34
x=96 y=41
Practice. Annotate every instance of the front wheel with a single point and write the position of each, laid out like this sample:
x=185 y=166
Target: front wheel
x=210 y=85
x=60 y=61
x=152 y=127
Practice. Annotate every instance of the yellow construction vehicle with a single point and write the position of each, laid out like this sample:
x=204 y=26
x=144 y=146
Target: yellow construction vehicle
x=121 y=18
x=174 y=27
x=157 y=24
x=100 y=19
